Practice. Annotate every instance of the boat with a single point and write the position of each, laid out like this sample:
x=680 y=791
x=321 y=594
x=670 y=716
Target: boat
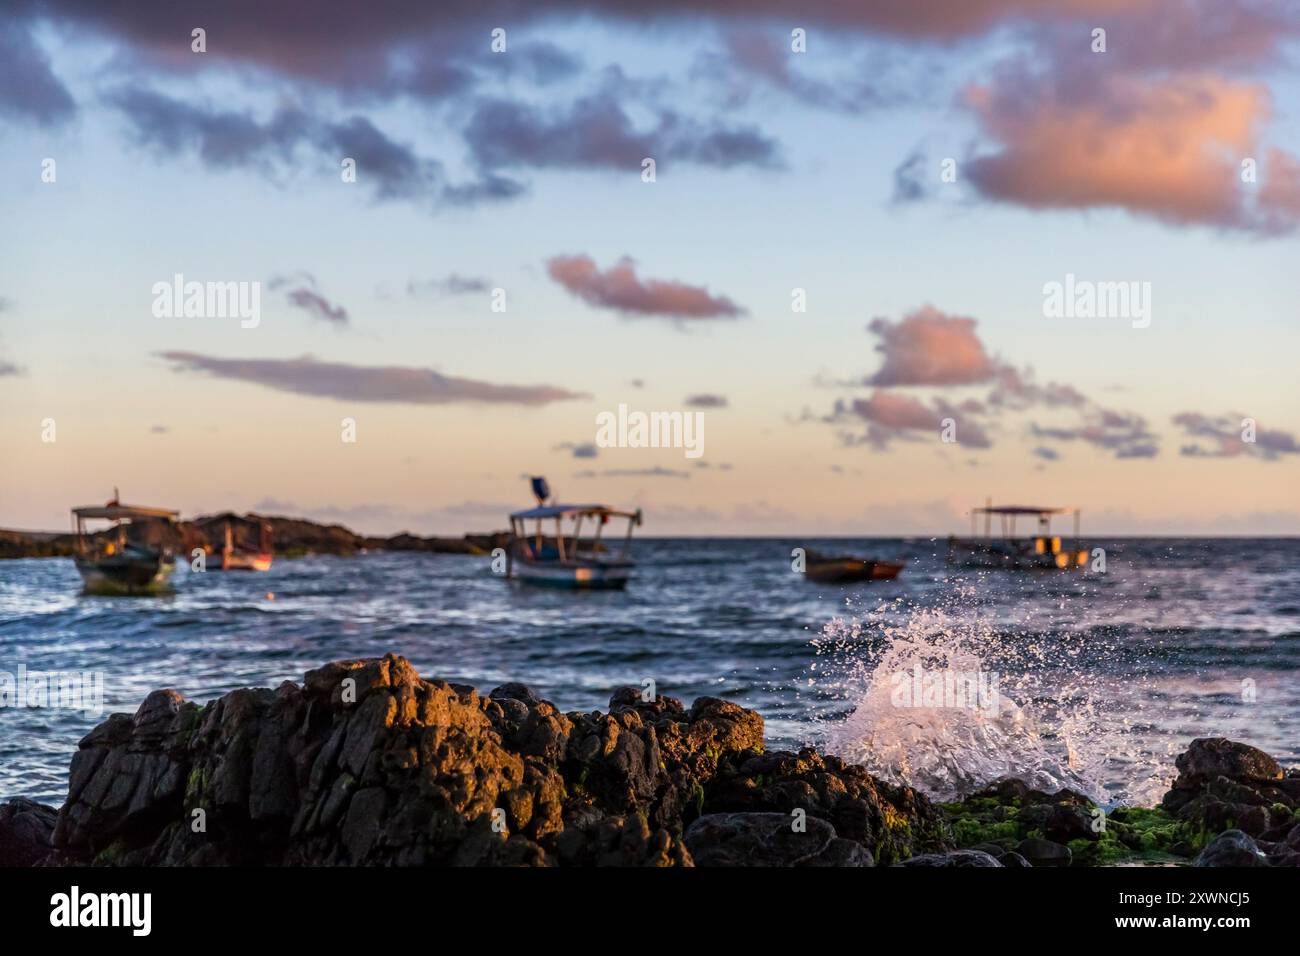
x=825 y=569
x=1041 y=550
x=563 y=560
x=133 y=556
x=235 y=554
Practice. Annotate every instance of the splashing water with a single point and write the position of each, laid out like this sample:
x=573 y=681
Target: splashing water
x=949 y=701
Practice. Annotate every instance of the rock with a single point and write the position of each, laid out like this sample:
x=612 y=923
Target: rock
x=1060 y=822
x=1223 y=785
x=367 y=763
x=953 y=858
x=770 y=839
x=1231 y=848
x=1007 y=790
x=1039 y=852
x=25 y=831
x=1210 y=757
x=893 y=822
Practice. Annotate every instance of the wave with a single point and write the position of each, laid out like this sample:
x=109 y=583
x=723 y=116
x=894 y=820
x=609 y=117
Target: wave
x=948 y=702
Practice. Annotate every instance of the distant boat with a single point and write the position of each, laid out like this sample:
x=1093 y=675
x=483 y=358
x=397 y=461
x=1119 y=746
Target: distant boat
x=825 y=569
x=235 y=554
x=567 y=561
x=1040 y=551
x=135 y=555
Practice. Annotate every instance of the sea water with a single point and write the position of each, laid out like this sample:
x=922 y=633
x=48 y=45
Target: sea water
x=1101 y=679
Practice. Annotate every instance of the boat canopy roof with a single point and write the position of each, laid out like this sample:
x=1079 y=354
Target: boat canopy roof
x=559 y=511
x=117 y=512
x=1021 y=510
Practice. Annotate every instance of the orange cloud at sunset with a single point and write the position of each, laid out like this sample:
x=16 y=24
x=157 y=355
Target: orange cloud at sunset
x=1170 y=148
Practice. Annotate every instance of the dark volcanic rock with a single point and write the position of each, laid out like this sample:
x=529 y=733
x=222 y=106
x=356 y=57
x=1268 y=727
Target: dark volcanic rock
x=893 y=822
x=25 y=831
x=1211 y=757
x=770 y=839
x=1061 y=822
x=954 y=858
x=1231 y=848
x=1223 y=785
x=367 y=763
x=1044 y=852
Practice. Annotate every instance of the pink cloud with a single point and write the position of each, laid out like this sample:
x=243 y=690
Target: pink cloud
x=890 y=416
x=928 y=347
x=620 y=289
x=1170 y=148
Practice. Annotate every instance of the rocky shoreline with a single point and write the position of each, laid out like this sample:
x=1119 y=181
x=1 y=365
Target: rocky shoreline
x=367 y=763
x=293 y=537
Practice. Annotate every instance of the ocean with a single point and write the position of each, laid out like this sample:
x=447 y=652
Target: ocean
x=1098 y=680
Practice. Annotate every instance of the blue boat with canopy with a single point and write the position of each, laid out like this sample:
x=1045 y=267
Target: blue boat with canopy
x=553 y=556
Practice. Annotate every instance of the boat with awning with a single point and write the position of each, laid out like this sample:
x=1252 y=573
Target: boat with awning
x=547 y=546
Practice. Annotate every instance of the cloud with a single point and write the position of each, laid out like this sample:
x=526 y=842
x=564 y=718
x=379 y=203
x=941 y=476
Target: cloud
x=376 y=518
x=1226 y=437
x=578 y=449
x=451 y=284
x=752 y=58
x=1017 y=390
x=706 y=401
x=29 y=90
x=928 y=347
x=931 y=349
x=226 y=140
x=656 y=472
x=318 y=306
x=1126 y=434
x=909 y=181
x=358 y=383
x=334 y=45
x=8 y=368
x=539 y=63
x=890 y=416
x=620 y=289
x=1168 y=148
x=304 y=295
x=596 y=132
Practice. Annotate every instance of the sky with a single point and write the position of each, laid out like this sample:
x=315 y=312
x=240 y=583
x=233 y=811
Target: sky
x=842 y=262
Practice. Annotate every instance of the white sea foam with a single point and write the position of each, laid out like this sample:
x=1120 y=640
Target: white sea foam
x=1058 y=717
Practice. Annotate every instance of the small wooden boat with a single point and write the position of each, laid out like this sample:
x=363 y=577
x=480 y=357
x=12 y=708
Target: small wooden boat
x=848 y=570
x=134 y=557
x=235 y=554
x=567 y=561
x=1042 y=551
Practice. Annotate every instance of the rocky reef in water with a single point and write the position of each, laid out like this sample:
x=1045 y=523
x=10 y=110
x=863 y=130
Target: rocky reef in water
x=292 y=537
x=367 y=763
